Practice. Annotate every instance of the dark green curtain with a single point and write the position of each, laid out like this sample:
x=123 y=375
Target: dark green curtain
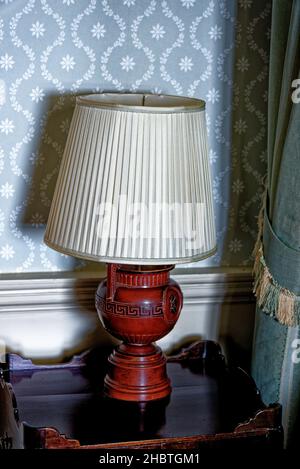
x=276 y=350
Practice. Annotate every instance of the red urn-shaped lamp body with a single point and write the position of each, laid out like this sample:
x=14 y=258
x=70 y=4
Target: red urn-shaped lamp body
x=139 y=305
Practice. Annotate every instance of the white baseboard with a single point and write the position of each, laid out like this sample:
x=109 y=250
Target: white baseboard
x=50 y=316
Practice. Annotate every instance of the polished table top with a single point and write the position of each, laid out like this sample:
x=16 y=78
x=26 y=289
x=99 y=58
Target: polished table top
x=207 y=398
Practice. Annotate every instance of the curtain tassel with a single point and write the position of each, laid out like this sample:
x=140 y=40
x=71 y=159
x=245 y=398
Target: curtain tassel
x=272 y=298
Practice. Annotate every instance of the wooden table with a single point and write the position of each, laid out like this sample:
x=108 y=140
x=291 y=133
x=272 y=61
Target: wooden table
x=211 y=406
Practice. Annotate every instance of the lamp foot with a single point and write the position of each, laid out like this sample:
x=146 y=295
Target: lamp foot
x=137 y=373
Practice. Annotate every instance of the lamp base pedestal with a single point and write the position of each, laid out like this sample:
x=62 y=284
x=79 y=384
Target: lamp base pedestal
x=137 y=373
x=139 y=305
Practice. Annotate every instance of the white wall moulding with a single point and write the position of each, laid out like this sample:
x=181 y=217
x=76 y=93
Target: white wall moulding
x=38 y=292
x=51 y=316
x=215 y=285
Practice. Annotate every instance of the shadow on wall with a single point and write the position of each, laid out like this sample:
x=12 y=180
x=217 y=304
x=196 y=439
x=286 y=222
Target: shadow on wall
x=236 y=331
x=85 y=299
x=44 y=156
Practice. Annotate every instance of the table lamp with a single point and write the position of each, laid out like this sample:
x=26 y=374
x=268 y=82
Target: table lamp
x=134 y=191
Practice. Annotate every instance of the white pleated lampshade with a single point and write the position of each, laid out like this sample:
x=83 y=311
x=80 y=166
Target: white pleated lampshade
x=134 y=185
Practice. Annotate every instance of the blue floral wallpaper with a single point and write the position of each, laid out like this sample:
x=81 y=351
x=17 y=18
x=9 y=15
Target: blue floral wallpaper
x=52 y=50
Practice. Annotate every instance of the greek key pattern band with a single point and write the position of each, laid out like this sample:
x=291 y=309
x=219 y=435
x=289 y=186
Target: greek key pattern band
x=125 y=309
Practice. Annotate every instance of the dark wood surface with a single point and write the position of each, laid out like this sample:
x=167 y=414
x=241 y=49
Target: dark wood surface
x=210 y=406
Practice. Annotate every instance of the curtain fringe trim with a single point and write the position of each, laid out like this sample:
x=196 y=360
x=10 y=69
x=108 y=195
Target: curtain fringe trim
x=272 y=298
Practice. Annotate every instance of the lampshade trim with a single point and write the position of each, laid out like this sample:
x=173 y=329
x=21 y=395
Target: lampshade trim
x=131 y=261
x=196 y=105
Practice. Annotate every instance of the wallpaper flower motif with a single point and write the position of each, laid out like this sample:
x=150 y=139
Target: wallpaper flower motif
x=50 y=51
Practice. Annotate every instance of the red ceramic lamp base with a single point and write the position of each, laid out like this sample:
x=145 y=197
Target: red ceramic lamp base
x=139 y=305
